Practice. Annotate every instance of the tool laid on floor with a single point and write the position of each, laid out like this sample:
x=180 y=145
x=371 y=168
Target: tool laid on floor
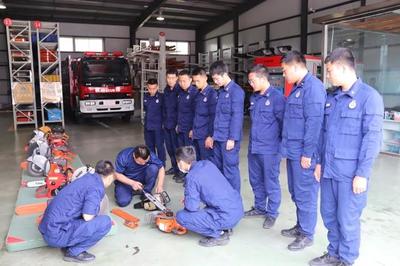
x=164 y=219
x=28 y=209
x=130 y=220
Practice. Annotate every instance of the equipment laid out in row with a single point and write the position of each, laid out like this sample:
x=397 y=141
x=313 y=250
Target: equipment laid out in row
x=49 y=156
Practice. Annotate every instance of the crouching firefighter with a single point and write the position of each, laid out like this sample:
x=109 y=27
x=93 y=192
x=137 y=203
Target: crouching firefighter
x=206 y=184
x=73 y=220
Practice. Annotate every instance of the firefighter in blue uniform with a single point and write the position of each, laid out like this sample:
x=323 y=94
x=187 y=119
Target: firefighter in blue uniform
x=73 y=221
x=203 y=122
x=304 y=113
x=350 y=142
x=205 y=185
x=186 y=105
x=170 y=114
x=153 y=102
x=137 y=169
x=267 y=105
x=228 y=124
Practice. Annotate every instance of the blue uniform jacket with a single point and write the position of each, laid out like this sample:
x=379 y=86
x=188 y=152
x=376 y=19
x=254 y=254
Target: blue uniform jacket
x=352 y=133
x=304 y=114
x=186 y=105
x=266 y=111
x=82 y=196
x=203 y=122
x=126 y=165
x=228 y=123
x=153 y=106
x=206 y=184
x=170 y=107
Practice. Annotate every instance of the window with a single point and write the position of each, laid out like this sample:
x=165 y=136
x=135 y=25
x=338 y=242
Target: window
x=66 y=44
x=88 y=45
x=181 y=48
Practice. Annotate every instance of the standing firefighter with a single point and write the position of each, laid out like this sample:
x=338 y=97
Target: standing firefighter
x=350 y=142
x=304 y=114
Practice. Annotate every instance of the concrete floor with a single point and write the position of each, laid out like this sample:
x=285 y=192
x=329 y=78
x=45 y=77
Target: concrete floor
x=250 y=245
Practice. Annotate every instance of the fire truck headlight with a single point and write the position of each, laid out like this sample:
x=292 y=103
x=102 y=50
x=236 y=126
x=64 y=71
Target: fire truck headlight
x=90 y=103
x=127 y=101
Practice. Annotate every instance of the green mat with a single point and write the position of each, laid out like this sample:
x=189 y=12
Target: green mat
x=23 y=233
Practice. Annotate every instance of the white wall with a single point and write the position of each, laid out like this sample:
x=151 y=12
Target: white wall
x=252 y=35
x=171 y=34
x=273 y=10
x=269 y=10
x=226 y=28
x=93 y=30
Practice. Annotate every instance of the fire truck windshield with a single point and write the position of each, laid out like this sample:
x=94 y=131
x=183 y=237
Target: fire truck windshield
x=105 y=71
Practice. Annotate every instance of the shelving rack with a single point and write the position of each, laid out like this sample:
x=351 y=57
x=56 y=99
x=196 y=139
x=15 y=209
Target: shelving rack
x=149 y=63
x=49 y=67
x=22 y=79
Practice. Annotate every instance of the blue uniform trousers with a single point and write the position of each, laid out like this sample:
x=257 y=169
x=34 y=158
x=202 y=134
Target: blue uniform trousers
x=206 y=222
x=171 y=142
x=303 y=189
x=184 y=140
x=202 y=152
x=264 y=180
x=341 y=210
x=124 y=193
x=154 y=139
x=227 y=162
x=80 y=235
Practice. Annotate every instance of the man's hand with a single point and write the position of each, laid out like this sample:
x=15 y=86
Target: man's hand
x=230 y=144
x=305 y=162
x=359 y=184
x=191 y=134
x=176 y=129
x=317 y=172
x=136 y=185
x=209 y=143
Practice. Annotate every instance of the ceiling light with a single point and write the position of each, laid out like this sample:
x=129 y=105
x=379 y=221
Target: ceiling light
x=160 y=17
x=2 y=5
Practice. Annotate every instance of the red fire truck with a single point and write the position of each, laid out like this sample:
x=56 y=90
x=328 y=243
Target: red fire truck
x=99 y=85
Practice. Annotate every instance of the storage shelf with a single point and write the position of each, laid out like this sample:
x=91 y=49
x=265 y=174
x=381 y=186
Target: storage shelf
x=392 y=121
x=390 y=153
x=23 y=45
x=50 y=45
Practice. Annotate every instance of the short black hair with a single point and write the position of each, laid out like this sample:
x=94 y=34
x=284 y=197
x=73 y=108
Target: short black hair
x=184 y=72
x=199 y=71
x=172 y=71
x=260 y=70
x=152 y=81
x=343 y=55
x=294 y=57
x=186 y=154
x=142 y=151
x=104 y=168
x=218 y=68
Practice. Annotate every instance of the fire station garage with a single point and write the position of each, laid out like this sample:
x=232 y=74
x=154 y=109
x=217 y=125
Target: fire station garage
x=191 y=132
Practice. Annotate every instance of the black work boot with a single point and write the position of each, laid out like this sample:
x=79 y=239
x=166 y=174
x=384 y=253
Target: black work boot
x=291 y=232
x=300 y=243
x=324 y=260
x=222 y=240
x=269 y=222
x=81 y=258
x=170 y=171
x=229 y=232
x=342 y=263
x=253 y=212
